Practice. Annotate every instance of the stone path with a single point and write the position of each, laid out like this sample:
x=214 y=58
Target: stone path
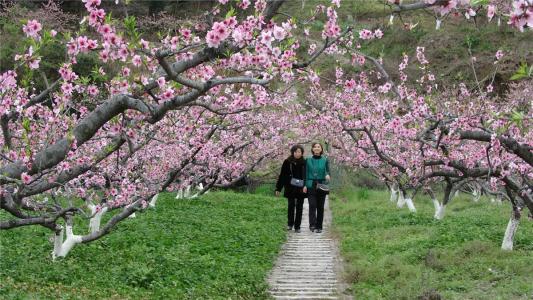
x=309 y=264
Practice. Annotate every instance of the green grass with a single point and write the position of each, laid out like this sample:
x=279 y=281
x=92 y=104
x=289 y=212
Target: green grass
x=393 y=254
x=218 y=247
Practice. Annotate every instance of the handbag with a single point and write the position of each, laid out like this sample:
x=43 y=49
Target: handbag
x=295 y=182
x=323 y=187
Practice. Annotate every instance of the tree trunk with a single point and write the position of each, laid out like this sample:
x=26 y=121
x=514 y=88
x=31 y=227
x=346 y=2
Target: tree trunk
x=393 y=194
x=476 y=194
x=512 y=226
x=439 y=208
x=439 y=214
x=62 y=248
x=179 y=195
x=153 y=201
x=410 y=204
x=94 y=223
x=187 y=193
x=401 y=199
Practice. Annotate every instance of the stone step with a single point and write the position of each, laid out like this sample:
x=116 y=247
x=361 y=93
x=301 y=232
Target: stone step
x=304 y=278
x=304 y=294
x=287 y=283
x=294 y=288
x=304 y=297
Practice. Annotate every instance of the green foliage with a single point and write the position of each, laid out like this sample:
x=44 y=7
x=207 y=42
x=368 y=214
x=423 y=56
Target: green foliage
x=394 y=254
x=130 y=24
x=87 y=63
x=523 y=72
x=220 y=246
x=362 y=194
x=265 y=189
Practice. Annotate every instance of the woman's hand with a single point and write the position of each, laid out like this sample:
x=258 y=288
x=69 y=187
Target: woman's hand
x=328 y=178
x=305 y=189
x=277 y=193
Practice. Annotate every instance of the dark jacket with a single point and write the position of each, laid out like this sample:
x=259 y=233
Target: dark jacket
x=284 y=179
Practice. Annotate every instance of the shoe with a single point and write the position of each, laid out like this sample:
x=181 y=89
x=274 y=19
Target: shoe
x=289 y=227
x=312 y=228
x=297 y=230
x=318 y=230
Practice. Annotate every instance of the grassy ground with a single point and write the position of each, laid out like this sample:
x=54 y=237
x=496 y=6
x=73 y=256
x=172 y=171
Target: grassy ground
x=218 y=247
x=393 y=254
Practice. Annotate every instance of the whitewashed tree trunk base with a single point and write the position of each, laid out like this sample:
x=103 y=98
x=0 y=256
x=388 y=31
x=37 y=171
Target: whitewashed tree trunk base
x=410 y=204
x=153 y=201
x=439 y=213
x=508 y=238
x=94 y=222
x=401 y=200
x=393 y=195
x=62 y=248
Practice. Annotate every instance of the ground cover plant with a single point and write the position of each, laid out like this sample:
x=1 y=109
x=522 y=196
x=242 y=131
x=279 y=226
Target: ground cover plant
x=221 y=245
x=394 y=254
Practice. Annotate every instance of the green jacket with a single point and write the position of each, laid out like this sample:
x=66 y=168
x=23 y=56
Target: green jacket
x=316 y=169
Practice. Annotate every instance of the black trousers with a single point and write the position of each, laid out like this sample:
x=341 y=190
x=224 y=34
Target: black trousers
x=295 y=204
x=316 y=208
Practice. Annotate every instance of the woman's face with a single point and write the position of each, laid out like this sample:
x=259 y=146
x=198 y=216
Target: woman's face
x=298 y=153
x=317 y=149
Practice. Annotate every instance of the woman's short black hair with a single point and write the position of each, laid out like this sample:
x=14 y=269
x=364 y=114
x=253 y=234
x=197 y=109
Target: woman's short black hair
x=296 y=147
x=321 y=147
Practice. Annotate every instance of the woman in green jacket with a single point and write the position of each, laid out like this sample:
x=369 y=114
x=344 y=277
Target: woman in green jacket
x=317 y=171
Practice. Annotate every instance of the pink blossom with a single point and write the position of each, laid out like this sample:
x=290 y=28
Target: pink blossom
x=104 y=55
x=366 y=34
x=279 y=33
x=499 y=54
x=491 y=11
x=378 y=33
x=244 y=4
x=34 y=63
x=32 y=28
x=470 y=13
x=230 y=22
x=25 y=178
x=213 y=40
x=92 y=90
x=136 y=60
x=67 y=88
x=161 y=82
x=53 y=33
x=123 y=52
x=105 y=30
x=447 y=7
x=126 y=71
x=331 y=29
x=145 y=44
x=167 y=94
x=185 y=33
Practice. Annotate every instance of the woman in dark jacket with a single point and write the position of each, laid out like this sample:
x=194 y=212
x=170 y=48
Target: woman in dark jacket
x=293 y=167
